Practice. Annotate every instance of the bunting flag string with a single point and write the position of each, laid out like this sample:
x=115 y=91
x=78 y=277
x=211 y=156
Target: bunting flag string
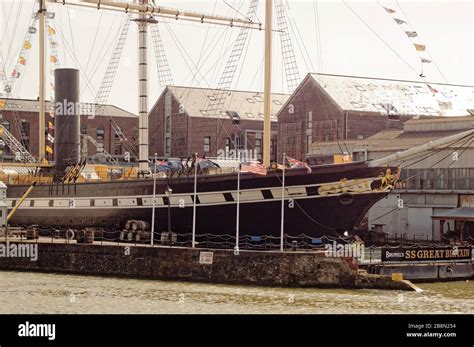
x=22 y=57
x=54 y=60
x=27 y=45
x=411 y=34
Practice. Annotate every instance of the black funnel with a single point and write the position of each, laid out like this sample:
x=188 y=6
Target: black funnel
x=66 y=119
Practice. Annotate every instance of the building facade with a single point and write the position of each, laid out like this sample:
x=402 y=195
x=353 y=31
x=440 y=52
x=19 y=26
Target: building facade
x=435 y=182
x=20 y=118
x=182 y=123
x=332 y=108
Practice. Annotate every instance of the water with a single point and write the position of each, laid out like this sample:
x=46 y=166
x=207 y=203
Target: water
x=28 y=292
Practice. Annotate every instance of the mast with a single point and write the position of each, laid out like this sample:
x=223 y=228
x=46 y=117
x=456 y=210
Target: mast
x=41 y=122
x=267 y=102
x=142 y=22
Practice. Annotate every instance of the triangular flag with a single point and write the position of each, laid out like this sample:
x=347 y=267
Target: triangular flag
x=389 y=10
x=411 y=33
x=419 y=47
x=50 y=138
x=53 y=59
x=2 y=103
x=26 y=45
x=433 y=90
x=51 y=30
x=50 y=125
x=49 y=149
x=399 y=21
x=425 y=60
x=21 y=61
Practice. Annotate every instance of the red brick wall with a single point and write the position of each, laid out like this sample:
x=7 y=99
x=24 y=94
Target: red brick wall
x=129 y=128
x=292 y=127
x=329 y=121
x=188 y=133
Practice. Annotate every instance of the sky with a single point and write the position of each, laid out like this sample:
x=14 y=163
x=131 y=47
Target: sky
x=356 y=38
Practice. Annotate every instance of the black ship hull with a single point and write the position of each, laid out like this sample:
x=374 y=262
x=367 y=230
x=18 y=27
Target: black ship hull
x=330 y=200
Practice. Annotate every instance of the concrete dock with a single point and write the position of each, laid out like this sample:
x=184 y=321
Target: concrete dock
x=261 y=268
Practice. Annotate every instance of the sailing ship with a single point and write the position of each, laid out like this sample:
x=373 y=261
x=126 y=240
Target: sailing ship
x=328 y=200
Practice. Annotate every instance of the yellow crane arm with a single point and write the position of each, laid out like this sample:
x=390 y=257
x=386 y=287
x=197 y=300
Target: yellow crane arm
x=12 y=212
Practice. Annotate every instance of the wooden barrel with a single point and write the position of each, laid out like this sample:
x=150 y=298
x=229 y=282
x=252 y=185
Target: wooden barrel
x=85 y=236
x=142 y=225
x=88 y=236
x=32 y=233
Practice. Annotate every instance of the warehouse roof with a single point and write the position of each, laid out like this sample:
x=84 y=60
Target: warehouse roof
x=247 y=104
x=378 y=95
x=460 y=213
x=29 y=105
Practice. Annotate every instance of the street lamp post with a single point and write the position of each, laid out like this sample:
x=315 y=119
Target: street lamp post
x=154 y=203
x=168 y=194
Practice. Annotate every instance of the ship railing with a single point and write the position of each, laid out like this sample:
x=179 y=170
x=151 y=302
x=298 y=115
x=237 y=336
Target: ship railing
x=302 y=242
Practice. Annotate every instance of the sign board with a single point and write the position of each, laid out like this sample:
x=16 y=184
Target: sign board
x=401 y=254
x=206 y=258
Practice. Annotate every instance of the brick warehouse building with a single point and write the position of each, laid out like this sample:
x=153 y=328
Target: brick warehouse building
x=180 y=123
x=99 y=128
x=331 y=107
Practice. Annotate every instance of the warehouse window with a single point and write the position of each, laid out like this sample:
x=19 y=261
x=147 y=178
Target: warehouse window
x=168 y=145
x=309 y=119
x=207 y=144
x=168 y=124
x=234 y=116
x=6 y=125
x=100 y=133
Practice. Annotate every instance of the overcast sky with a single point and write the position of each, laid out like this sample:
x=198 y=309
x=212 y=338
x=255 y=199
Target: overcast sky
x=372 y=45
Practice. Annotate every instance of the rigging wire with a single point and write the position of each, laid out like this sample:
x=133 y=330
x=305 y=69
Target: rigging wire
x=428 y=53
x=15 y=30
x=297 y=34
x=72 y=33
x=94 y=40
x=318 y=35
x=380 y=38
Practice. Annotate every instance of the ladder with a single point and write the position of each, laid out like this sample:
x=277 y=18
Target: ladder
x=164 y=73
x=288 y=53
x=99 y=148
x=106 y=87
x=20 y=152
x=218 y=98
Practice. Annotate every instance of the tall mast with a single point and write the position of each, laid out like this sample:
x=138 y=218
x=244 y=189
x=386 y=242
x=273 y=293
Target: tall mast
x=142 y=91
x=42 y=67
x=267 y=98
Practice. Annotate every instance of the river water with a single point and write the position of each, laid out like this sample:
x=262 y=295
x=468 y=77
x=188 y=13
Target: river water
x=29 y=292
